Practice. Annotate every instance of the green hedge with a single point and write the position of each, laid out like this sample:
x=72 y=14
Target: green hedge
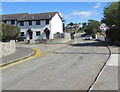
x=8 y=32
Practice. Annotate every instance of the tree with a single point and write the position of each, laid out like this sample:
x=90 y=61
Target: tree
x=84 y=23
x=92 y=27
x=79 y=23
x=8 y=32
x=110 y=13
x=112 y=19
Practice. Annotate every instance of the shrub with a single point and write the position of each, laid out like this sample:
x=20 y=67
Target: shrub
x=8 y=32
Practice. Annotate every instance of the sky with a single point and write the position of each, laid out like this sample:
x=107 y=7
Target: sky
x=77 y=12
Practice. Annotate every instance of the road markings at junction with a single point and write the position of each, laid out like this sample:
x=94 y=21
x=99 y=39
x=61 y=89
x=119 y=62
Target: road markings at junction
x=36 y=54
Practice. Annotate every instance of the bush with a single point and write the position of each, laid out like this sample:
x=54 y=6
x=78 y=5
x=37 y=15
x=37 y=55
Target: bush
x=8 y=32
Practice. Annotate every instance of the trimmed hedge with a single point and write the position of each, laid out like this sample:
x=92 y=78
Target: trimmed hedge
x=8 y=32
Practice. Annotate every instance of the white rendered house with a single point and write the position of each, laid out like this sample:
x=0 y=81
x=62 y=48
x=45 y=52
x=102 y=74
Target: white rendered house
x=36 y=26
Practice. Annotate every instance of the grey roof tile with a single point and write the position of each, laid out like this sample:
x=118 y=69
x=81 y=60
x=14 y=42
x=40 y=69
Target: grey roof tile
x=12 y=16
x=26 y=16
x=39 y=16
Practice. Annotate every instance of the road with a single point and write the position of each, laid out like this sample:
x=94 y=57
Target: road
x=72 y=68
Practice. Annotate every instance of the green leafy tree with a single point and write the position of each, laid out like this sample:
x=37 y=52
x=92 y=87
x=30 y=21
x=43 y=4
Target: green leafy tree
x=112 y=19
x=8 y=32
x=92 y=27
x=110 y=13
x=84 y=24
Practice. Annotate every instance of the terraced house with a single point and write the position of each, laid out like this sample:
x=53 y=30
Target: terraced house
x=36 y=26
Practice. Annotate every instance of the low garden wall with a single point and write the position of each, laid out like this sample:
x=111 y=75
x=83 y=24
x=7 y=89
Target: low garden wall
x=58 y=38
x=100 y=37
x=7 y=48
x=62 y=35
x=62 y=38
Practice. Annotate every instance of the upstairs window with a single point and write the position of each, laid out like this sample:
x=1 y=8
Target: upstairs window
x=21 y=23
x=38 y=22
x=12 y=22
x=37 y=33
x=47 y=22
x=30 y=22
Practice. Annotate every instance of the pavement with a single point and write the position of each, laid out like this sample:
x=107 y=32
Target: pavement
x=108 y=79
x=21 y=52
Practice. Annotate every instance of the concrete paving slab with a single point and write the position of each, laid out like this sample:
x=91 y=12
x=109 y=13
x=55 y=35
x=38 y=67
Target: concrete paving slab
x=108 y=79
x=113 y=61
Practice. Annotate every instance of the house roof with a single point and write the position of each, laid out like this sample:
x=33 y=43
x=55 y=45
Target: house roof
x=26 y=16
x=39 y=16
x=12 y=16
x=72 y=26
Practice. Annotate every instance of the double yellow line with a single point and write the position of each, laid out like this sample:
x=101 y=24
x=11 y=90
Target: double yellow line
x=36 y=54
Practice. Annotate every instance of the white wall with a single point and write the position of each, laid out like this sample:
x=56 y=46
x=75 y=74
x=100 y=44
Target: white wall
x=35 y=28
x=56 y=25
x=100 y=37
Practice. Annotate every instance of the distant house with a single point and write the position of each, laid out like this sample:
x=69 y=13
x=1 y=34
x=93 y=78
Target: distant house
x=104 y=27
x=72 y=28
x=36 y=26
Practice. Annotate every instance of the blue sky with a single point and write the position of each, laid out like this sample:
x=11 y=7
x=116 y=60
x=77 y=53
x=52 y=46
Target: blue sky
x=77 y=12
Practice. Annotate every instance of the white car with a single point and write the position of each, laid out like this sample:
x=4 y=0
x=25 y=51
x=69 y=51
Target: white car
x=88 y=37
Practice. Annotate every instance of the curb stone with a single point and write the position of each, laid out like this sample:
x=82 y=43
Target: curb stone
x=101 y=70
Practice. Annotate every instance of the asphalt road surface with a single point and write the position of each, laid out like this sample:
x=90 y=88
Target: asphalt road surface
x=72 y=68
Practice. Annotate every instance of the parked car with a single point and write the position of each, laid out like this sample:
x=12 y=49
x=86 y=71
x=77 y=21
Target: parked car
x=20 y=38
x=88 y=37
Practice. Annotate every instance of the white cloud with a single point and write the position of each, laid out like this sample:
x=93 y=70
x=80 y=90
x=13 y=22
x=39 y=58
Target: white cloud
x=83 y=13
x=0 y=10
x=97 y=5
x=64 y=16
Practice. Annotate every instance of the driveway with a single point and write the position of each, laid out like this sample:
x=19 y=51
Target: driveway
x=72 y=68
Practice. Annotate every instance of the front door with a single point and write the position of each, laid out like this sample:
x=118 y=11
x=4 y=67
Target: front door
x=47 y=32
x=30 y=35
x=30 y=32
